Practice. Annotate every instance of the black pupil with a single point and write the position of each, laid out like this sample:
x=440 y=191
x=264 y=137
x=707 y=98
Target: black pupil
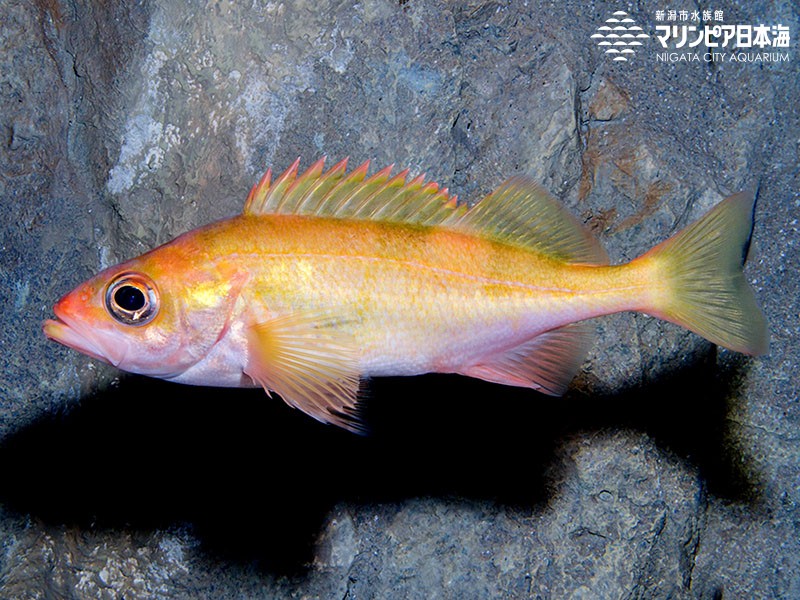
x=129 y=298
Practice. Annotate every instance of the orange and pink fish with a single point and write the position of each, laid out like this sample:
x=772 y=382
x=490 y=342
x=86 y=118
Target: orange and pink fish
x=329 y=278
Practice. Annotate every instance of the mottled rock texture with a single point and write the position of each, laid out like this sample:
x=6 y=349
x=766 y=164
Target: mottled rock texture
x=670 y=470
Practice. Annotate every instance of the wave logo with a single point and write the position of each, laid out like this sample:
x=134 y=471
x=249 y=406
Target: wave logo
x=619 y=36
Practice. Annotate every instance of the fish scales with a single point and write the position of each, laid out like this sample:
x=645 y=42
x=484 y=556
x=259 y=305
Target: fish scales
x=396 y=285
x=330 y=278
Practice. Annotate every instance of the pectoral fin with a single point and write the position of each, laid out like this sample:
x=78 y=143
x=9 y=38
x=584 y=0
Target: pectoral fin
x=311 y=364
x=546 y=363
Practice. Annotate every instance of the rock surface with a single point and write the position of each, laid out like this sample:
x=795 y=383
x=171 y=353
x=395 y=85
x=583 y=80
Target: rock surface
x=669 y=471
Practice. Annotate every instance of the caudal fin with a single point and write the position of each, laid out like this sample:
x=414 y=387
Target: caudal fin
x=702 y=286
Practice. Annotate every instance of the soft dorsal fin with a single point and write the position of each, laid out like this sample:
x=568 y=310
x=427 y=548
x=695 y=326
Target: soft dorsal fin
x=522 y=213
x=380 y=197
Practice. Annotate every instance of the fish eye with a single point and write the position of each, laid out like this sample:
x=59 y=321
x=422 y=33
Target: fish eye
x=132 y=299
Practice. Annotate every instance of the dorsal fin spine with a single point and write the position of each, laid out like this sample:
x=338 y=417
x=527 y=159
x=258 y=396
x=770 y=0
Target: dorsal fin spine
x=335 y=199
x=280 y=189
x=316 y=193
x=356 y=202
x=300 y=186
x=384 y=200
x=255 y=198
x=401 y=203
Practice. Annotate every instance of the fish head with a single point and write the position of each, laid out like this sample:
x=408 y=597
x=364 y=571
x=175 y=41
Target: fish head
x=155 y=315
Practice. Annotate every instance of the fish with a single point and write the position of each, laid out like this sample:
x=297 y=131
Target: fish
x=329 y=278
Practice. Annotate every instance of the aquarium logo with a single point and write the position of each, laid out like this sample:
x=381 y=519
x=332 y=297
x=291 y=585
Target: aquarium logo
x=620 y=36
x=718 y=42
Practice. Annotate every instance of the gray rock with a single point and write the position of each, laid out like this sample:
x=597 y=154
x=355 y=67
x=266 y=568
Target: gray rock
x=670 y=470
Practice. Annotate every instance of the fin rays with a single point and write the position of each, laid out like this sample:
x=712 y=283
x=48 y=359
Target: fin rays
x=308 y=361
x=546 y=363
x=518 y=212
x=701 y=269
x=521 y=212
x=332 y=193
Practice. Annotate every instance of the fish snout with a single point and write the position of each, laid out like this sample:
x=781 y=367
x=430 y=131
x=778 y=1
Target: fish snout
x=72 y=330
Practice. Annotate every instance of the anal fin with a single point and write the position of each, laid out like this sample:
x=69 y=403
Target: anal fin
x=546 y=363
x=311 y=364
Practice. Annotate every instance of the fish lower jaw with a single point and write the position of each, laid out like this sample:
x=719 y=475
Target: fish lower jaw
x=58 y=331
x=61 y=332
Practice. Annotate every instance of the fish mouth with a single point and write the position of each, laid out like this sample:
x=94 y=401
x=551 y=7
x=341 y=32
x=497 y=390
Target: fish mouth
x=74 y=334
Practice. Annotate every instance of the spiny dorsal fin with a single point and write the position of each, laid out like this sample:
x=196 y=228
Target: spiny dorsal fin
x=522 y=213
x=380 y=197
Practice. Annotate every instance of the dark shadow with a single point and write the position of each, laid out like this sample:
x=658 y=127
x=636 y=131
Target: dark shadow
x=443 y=435
x=254 y=479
